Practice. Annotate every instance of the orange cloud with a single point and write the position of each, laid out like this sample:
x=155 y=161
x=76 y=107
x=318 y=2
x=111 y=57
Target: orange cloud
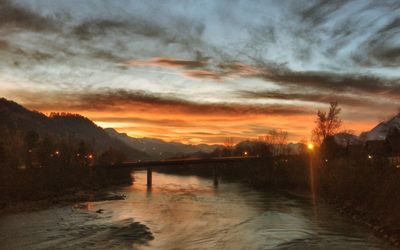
x=148 y=115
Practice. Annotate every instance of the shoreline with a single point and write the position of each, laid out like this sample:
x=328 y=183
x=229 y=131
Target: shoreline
x=68 y=198
x=349 y=210
x=355 y=214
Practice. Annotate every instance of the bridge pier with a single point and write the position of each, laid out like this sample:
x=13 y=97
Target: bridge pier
x=215 y=175
x=149 y=176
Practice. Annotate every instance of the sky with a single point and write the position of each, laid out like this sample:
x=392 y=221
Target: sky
x=203 y=71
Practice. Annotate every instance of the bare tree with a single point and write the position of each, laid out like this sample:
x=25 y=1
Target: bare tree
x=277 y=138
x=327 y=124
x=229 y=142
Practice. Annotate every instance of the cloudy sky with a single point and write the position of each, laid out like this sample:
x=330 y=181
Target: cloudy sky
x=202 y=71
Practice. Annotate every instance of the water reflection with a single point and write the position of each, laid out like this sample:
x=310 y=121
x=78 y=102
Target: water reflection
x=187 y=212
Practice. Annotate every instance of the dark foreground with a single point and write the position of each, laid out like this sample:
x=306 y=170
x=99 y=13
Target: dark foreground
x=187 y=212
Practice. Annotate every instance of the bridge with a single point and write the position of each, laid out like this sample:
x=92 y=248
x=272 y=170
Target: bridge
x=150 y=165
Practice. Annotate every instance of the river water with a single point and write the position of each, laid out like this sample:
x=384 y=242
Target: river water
x=187 y=212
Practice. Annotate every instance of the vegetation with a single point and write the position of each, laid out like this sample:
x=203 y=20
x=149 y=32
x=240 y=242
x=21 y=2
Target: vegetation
x=34 y=167
x=327 y=124
x=361 y=180
x=362 y=184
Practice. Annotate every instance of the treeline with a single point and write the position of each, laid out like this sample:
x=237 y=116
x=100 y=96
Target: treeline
x=363 y=185
x=36 y=167
x=361 y=178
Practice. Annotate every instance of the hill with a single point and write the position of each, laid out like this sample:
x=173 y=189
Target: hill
x=16 y=118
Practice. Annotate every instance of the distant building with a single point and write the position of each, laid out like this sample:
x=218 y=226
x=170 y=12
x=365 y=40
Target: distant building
x=377 y=148
x=393 y=141
x=388 y=149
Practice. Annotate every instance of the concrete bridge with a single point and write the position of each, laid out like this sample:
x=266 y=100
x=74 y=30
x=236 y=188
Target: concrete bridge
x=150 y=165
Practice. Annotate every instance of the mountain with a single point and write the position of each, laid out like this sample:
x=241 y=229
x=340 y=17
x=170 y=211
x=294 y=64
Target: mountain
x=159 y=149
x=15 y=117
x=344 y=139
x=380 y=131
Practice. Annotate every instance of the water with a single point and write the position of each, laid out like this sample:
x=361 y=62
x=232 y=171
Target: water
x=187 y=212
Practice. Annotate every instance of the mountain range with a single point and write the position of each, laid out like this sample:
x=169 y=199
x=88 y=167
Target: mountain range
x=15 y=117
x=159 y=149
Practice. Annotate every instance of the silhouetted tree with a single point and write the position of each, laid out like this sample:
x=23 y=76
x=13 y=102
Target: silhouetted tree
x=110 y=157
x=330 y=149
x=253 y=148
x=277 y=139
x=83 y=154
x=45 y=151
x=31 y=138
x=327 y=124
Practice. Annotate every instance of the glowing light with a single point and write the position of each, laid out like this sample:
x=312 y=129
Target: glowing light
x=90 y=157
x=245 y=153
x=310 y=146
x=57 y=152
x=369 y=156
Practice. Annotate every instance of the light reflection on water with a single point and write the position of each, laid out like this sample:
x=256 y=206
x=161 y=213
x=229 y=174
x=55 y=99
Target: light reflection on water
x=187 y=212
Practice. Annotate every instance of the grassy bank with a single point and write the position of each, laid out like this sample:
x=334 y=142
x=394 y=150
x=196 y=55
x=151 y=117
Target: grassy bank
x=54 y=185
x=368 y=191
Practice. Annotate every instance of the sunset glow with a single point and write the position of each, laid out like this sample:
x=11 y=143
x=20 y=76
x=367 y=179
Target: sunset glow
x=178 y=75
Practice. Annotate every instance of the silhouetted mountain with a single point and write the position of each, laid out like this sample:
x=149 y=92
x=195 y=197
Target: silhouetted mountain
x=159 y=149
x=15 y=117
x=380 y=131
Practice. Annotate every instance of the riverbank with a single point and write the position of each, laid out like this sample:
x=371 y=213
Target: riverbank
x=361 y=216
x=70 y=197
x=366 y=191
x=363 y=193
x=38 y=189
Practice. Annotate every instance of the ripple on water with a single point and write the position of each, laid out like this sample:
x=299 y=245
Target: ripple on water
x=187 y=213
x=66 y=228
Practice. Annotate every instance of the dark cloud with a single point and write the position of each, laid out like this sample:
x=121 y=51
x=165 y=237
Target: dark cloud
x=15 y=16
x=106 y=55
x=320 y=12
x=158 y=122
x=179 y=30
x=381 y=48
x=123 y=100
x=375 y=48
x=280 y=73
x=322 y=80
x=353 y=100
x=94 y=28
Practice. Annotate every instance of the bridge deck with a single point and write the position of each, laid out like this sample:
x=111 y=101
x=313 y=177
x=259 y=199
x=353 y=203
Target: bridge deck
x=175 y=162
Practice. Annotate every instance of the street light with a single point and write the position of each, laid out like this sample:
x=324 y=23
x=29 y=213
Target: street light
x=310 y=146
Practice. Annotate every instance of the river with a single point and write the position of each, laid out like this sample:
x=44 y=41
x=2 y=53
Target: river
x=187 y=212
